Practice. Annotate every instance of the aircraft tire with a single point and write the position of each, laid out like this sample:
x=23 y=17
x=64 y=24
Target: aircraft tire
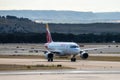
x=73 y=59
x=51 y=59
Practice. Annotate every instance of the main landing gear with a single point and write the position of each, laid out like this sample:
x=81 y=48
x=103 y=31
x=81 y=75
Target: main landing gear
x=73 y=59
x=50 y=57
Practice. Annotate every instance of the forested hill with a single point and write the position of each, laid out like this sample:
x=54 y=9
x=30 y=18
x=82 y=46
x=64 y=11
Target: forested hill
x=13 y=24
x=23 y=30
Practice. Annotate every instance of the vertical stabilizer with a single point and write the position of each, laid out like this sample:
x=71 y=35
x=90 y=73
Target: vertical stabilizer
x=48 y=35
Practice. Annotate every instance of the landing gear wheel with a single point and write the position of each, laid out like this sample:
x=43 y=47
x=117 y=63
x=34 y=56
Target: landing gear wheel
x=73 y=59
x=50 y=57
x=50 y=60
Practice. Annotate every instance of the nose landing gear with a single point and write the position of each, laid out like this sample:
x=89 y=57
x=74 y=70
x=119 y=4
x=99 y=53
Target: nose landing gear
x=73 y=59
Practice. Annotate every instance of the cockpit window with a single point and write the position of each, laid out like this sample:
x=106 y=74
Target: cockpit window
x=73 y=46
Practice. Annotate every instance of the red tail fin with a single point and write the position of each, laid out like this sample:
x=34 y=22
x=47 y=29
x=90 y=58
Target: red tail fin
x=48 y=35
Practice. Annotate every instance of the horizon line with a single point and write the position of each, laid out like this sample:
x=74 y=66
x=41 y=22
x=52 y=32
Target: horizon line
x=55 y=10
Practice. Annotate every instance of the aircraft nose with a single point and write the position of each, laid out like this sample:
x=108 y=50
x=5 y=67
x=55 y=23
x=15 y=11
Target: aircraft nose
x=76 y=50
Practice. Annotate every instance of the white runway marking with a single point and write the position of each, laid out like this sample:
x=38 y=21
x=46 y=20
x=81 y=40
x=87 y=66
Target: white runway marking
x=41 y=72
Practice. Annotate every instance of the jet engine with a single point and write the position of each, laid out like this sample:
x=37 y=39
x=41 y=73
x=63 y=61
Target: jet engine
x=84 y=55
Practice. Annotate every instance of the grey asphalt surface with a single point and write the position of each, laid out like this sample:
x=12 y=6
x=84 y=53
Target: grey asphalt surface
x=44 y=72
x=60 y=75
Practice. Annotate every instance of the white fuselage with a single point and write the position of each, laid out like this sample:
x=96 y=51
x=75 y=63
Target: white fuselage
x=63 y=48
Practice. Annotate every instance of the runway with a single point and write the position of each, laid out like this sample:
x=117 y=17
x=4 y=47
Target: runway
x=61 y=75
x=44 y=72
x=84 y=69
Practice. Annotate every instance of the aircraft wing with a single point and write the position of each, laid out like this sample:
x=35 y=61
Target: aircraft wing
x=56 y=51
x=89 y=49
x=38 y=49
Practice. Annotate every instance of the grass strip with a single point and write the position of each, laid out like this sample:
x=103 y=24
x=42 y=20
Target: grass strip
x=9 y=67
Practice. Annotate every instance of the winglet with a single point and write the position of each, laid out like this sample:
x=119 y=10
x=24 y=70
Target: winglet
x=48 y=35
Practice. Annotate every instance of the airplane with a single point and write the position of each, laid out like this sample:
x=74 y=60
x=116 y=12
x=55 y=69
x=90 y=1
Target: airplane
x=63 y=48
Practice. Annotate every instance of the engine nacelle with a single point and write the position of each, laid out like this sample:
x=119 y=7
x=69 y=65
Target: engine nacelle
x=84 y=55
x=49 y=55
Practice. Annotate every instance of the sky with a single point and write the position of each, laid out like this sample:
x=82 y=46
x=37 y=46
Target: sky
x=74 y=5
